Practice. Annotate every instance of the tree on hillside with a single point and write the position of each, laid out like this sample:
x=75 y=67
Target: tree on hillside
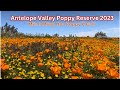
x=12 y=28
x=100 y=35
x=2 y=30
x=56 y=35
x=6 y=24
x=8 y=30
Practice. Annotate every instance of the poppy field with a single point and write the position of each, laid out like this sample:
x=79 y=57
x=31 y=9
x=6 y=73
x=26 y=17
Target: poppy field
x=59 y=58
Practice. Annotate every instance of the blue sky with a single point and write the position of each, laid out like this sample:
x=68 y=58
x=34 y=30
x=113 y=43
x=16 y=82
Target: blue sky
x=0 y=18
x=111 y=28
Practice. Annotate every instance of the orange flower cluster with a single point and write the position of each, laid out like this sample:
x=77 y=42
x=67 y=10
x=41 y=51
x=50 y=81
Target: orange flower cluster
x=40 y=64
x=113 y=73
x=55 y=70
x=87 y=76
x=22 y=57
x=47 y=50
x=74 y=58
x=4 y=66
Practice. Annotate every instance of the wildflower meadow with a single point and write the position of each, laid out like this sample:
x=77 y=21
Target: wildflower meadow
x=59 y=58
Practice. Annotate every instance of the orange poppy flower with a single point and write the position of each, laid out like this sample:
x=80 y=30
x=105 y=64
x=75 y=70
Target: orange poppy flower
x=74 y=71
x=75 y=58
x=79 y=70
x=74 y=77
x=87 y=76
x=67 y=65
x=54 y=64
x=65 y=60
x=39 y=59
x=106 y=60
x=59 y=56
x=2 y=60
x=5 y=67
x=32 y=57
x=28 y=61
x=23 y=57
x=55 y=70
x=80 y=63
x=113 y=73
x=101 y=67
x=40 y=64
x=39 y=54
x=66 y=48
x=47 y=50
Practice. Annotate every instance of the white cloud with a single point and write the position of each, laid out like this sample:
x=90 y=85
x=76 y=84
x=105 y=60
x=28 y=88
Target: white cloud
x=110 y=32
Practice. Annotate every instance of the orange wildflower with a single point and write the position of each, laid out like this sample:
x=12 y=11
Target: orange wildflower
x=39 y=59
x=106 y=60
x=49 y=60
x=101 y=67
x=74 y=77
x=59 y=56
x=75 y=58
x=39 y=54
x=32 y=57
x=79 y=70
x=5 y=67
x=80 y=63
x=84 y=57
x=113 y=73
x=67 y=65
x=40 y=64
x=87 y=76
x=66 y=48
x=47 y=50
x=65 y=60
x=2 y=60
x=13 y=55
x=76 y=65
x=23 y=57
x=54 y=64
x=74 y=71
x=55 y=70
x=28 y=61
